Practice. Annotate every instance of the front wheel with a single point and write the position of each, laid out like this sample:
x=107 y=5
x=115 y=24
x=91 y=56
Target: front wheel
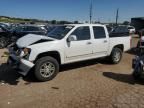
x=46 y=68
x=116 y=55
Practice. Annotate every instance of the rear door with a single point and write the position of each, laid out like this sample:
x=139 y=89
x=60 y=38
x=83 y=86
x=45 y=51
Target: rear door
x=101 y=41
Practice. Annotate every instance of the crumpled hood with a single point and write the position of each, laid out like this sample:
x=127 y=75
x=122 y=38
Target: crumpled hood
x=30 y=39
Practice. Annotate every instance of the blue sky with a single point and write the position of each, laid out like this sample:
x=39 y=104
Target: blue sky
x=71 y=10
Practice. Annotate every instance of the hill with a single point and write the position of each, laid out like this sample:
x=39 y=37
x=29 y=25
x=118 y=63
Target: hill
x=26 y=20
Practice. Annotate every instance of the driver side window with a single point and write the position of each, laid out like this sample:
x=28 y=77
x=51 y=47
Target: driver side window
x=82 y=33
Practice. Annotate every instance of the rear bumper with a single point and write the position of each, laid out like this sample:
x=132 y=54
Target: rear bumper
x=23 y=66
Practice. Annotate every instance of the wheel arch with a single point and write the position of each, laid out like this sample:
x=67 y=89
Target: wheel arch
x=120 y=46
x=54 y=54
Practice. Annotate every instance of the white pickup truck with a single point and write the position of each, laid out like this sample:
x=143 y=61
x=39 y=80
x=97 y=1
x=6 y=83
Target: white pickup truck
x=66 y=44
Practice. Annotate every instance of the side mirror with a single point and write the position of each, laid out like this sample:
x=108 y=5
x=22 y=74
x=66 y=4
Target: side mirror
x=72 y=38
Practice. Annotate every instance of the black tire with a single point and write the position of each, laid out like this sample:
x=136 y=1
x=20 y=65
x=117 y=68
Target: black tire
x=3 y=42
x=113 y=55
x=42 y=63
x=136 y=75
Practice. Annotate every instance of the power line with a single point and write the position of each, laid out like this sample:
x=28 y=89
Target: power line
x=91 y=8
x=117 y=16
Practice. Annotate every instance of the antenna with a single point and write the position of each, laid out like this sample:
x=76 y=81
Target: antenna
x=91 y=7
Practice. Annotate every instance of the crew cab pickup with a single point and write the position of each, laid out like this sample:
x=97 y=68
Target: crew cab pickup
x=66 y=44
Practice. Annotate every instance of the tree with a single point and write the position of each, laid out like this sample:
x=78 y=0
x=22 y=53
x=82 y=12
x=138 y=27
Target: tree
x=62 y=22
x=32 y=22
x=76 y=22
x=53 y=21
x=86 y=22
x=126 y=23
x=47 y=22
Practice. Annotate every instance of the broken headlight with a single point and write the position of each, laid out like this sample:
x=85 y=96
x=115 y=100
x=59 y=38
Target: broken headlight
x=25 y=53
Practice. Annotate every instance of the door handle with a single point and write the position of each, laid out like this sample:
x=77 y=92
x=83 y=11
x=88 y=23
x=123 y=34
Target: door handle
x=88 y=43
x=105 y=41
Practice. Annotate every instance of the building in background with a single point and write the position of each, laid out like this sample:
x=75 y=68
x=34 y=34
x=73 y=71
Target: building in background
x=138 y=23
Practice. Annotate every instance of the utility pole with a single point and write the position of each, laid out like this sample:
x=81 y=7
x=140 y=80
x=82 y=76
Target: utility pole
x=117 y=16
x=91 y=8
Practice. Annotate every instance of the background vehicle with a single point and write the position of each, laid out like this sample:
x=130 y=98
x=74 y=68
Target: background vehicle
x=6 y=25
x=119 y=31
x=140 y=42
x=138 y=68
x=141 y=32
x=43 y=26
x=51 y=27
x=109 y=28
x=131 y=29
x=138 y=61
x=5 y=36
x=66 y=44
x=21 y=31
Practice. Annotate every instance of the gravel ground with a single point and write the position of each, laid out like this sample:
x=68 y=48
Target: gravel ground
x=89 y=84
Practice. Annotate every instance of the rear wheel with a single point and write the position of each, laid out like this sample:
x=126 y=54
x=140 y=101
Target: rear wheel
x=46 y=68
x=3 y=42
x=116 y=55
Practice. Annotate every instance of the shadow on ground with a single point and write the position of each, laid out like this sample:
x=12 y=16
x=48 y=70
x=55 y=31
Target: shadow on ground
x=65 y=68
x=12 y=77
x=84 y=64
x=8 y=75
x=125 y=78
x=133 y=51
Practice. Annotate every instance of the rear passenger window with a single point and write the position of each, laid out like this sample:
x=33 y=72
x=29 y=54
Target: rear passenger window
x=19 y=29
x=32 y=29
x=82 y=33
x=99 y=32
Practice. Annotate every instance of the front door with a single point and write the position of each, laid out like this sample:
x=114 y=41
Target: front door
x=81 y=47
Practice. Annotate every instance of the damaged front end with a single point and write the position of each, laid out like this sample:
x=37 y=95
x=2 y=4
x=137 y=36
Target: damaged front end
x=18 y=59
x=19 y=52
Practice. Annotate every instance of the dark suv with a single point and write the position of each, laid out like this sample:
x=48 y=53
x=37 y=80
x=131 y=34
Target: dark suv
x=21 y=31
x=5 y=36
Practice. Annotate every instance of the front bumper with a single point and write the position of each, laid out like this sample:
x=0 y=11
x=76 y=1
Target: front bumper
x=23 y=66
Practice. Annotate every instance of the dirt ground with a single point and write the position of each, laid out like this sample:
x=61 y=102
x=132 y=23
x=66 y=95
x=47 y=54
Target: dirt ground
x=89 y=84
